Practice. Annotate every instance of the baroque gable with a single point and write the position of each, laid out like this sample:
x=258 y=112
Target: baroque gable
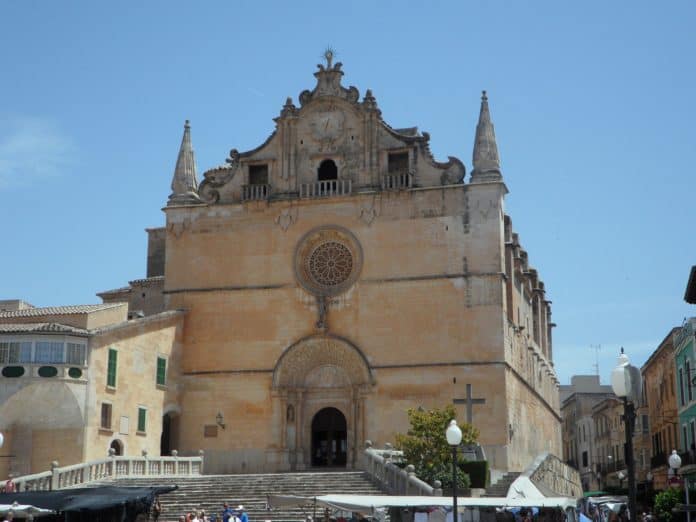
x=332 y=144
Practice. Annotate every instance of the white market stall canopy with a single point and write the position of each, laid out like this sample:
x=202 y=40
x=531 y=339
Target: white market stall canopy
x=368 y=504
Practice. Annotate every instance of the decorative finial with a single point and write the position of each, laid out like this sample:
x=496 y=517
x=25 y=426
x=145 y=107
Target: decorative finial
x=483 y=96
x=329 y=54
x=187 y=124
x=622 y=350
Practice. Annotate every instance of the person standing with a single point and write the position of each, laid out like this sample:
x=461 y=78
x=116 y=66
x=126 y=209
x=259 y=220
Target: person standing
x=243 y=517
x=156 y=509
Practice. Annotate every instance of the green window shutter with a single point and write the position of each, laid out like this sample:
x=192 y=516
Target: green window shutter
x=142 y=417
x=161 y=371
x=111 y=369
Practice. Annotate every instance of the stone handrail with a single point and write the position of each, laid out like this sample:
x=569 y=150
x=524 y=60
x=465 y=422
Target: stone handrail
x=109 y=468
x=390 y=477
x=326 y=188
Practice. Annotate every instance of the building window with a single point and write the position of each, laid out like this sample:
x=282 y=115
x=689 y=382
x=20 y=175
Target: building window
x=106 y=415
x=692 y=429
x=15 y=352
x=327 y=170
x=161 y=371
x=681 y=386
x=584 y=459
x=645 y=424
x=397 y=163
x=111 y=368
x=685 y=438
x=258 y=174
x=142 y=419
x=50 y=352
x=76 y=354
x=688 y=380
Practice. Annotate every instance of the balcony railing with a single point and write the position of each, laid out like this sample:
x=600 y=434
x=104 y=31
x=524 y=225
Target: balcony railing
x=400 y=181
x=256 y=192
x=327 y=188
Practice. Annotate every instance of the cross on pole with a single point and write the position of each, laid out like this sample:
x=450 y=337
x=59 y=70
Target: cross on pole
x=469 y=401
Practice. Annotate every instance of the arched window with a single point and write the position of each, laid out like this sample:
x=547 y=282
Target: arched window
x=327 y=170
x=117 y=446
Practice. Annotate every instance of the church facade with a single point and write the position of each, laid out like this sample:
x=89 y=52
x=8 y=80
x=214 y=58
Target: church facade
x=336 y=276
x=329 y=280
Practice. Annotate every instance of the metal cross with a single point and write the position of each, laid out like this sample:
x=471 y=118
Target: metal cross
x=469 y=401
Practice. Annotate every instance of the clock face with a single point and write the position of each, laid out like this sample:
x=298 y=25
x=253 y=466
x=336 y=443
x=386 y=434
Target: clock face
x=327 y=125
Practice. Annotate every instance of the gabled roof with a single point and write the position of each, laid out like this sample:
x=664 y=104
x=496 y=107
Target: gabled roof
x=42 y=328
x=58 y=310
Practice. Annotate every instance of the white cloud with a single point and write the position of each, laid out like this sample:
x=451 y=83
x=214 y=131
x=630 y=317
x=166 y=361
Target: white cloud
x=31 y=150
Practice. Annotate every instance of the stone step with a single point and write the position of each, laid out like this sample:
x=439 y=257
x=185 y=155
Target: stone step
x=500 y=488
x=209 y=492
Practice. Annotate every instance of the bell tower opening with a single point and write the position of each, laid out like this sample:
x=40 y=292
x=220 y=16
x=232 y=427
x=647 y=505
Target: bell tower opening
x=329 y=438
x=327 y=170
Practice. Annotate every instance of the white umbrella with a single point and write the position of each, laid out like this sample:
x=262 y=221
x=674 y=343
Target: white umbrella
x=25 y=510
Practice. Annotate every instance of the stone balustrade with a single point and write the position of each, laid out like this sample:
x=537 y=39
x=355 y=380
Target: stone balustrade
x=110 y=468
x=400 y=181
x=256 y=192
x=328 y=188
x=380 y=466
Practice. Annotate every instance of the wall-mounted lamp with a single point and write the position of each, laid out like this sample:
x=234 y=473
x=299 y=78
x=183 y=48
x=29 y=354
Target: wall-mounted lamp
x=220 y=420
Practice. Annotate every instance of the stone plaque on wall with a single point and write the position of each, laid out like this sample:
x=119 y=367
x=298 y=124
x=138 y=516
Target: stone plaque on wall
x=210 y=430
x=123 y=427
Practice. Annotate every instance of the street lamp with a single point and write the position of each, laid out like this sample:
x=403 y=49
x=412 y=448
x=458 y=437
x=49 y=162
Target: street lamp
x=454 y=438
x=625 y=381
x=675 y=463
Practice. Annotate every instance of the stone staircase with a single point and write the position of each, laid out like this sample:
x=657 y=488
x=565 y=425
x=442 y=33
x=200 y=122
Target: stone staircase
x=500 y=488
x=208 y=492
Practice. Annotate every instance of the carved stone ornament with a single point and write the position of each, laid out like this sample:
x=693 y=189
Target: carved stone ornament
x=328 y=260
x=306 y=363
x=369 y=214
x=454 y=171
x=218 y=177
x=329 y=84
x=287 y=217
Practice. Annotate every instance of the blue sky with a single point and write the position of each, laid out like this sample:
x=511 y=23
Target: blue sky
x=593 y=104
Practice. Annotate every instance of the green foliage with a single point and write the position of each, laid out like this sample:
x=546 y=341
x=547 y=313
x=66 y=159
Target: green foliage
x=477 y=471
x=425 y=445
x=665 y=501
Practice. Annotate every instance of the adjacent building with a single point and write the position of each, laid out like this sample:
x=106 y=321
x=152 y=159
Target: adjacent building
x=659 y=380
x=581 y=448
x=78 y=380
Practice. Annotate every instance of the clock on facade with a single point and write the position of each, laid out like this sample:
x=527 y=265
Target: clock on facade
x=327 y=125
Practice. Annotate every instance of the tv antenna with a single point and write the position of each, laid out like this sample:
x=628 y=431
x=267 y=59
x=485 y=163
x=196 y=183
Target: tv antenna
x=597 y=348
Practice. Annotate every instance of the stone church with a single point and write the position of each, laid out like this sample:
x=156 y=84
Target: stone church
x=330 y=279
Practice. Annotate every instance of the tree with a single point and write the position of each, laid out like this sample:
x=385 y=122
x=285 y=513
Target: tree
x=425 y=445
x=665 y=501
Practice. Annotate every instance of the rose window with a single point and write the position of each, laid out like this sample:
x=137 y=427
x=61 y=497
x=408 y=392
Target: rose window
x=330 y=263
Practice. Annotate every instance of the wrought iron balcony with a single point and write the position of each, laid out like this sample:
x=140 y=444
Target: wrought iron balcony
x=256 y=192
x=327 y=188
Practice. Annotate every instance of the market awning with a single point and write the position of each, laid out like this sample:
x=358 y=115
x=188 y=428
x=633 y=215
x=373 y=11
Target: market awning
x=370 y=503
x=24 y=510
x=86 y=499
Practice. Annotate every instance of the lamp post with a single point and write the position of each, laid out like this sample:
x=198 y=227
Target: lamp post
x=625 y=381
x=675 y=463
x=454 y=438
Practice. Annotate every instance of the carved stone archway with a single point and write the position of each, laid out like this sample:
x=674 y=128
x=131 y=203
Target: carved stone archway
x=318 y=372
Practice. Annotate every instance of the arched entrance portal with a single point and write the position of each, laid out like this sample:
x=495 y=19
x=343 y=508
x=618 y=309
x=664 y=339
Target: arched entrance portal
x=329 y=438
